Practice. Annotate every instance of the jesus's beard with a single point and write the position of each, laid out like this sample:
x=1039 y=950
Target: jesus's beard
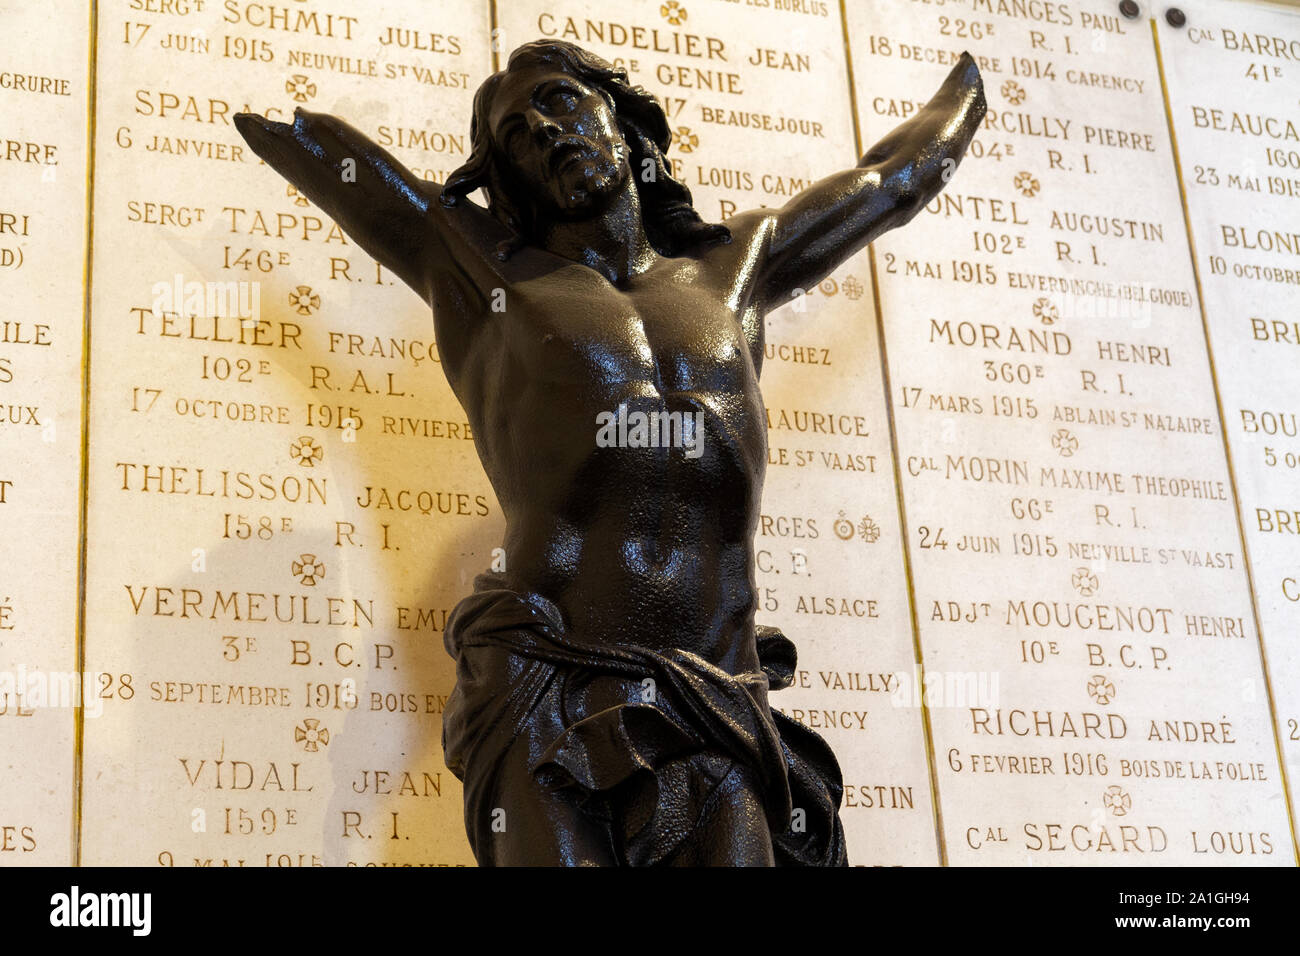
x=586 y=179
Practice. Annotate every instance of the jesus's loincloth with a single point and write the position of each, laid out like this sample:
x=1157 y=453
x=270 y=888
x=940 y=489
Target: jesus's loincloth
x=585 y=754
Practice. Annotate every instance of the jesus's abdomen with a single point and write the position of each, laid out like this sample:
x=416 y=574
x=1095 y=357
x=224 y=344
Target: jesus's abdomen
x=639 y=517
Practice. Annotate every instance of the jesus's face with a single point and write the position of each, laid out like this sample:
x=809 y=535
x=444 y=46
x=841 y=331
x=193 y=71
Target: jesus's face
x=560 y=141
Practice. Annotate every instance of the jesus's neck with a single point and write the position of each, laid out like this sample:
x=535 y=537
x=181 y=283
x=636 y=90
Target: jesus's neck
x=613 y=242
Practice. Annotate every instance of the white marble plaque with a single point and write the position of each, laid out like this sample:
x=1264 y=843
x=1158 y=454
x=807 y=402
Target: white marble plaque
x=759 y=103
x=1098 y=696
x=44 y=62
x=1232 y=73
x=284 y=498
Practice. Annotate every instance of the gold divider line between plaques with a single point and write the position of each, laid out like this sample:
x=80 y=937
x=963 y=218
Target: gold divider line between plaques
x=918 y=660
x=1227 y=449
x=494 y=36
x=79 y=713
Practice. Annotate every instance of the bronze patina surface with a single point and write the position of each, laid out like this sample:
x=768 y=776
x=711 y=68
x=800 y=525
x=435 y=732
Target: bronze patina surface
x=611 y=704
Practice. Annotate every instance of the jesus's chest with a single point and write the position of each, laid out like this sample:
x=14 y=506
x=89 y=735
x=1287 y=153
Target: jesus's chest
x=671 y=338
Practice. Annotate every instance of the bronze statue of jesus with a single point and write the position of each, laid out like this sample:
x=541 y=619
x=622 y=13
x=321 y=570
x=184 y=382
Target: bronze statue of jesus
x=611 y=703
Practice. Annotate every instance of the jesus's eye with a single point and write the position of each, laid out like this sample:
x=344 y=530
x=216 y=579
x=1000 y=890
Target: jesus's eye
x=560 y=100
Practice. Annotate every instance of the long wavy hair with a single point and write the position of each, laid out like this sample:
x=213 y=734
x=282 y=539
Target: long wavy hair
x=671 y=223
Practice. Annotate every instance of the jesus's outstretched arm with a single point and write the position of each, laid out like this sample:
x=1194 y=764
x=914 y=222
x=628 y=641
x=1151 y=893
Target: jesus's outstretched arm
x=379 y=203
x=836 y=217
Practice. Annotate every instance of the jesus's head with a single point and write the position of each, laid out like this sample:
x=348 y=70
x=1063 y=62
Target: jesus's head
x=559 y=133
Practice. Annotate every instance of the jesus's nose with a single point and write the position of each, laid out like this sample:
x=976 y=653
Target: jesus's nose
x=544 y=128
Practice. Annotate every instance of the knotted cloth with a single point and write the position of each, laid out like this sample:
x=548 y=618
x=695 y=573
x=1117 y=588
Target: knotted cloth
x=643 y=744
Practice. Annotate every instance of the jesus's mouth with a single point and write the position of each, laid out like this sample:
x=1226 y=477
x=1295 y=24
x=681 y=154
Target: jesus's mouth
x=566 y=152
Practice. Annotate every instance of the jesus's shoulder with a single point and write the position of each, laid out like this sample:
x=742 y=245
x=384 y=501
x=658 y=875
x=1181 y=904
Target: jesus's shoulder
x=742 y=260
